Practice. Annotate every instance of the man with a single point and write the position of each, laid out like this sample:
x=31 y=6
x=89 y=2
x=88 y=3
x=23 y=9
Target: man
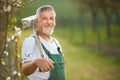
x=51 y=67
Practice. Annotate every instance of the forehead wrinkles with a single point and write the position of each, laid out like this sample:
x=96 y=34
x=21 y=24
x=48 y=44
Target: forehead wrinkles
x=47 y=14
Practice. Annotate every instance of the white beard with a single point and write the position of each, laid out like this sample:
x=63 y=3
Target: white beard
x=48 y=32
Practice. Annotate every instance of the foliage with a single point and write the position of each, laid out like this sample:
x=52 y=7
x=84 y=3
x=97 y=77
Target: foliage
x=10 y=60
x=108 y=8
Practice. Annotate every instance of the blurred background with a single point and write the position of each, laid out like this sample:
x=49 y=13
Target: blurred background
x=88 y=30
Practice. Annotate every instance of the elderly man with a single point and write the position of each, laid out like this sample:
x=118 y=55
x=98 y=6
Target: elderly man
x=51 y=66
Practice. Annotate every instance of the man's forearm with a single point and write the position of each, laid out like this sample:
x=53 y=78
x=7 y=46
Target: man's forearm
x=28 y=68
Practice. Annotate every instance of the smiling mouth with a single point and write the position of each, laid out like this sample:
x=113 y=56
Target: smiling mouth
x=48 y=25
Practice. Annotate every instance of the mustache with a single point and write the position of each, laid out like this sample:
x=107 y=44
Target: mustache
x=48 y=24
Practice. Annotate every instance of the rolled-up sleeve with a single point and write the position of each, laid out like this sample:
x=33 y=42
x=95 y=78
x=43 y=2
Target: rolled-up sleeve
x=28 y=49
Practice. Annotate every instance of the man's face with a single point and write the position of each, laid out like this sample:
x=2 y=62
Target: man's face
x=46 y=22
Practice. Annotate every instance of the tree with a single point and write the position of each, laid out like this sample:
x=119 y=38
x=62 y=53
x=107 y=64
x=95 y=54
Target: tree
x=108 y=7
x=9 y=35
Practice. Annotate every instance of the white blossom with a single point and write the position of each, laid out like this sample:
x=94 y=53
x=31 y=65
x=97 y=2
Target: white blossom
x=16 y=40
x=7 y=8
x=17 y=31
x=18 y=56
x=19 y=74
x=8 y=78
x=6 y=45
x=6 y=53
x=3 y=63
x=13 y=37
x=15 y=72
x=8 y=40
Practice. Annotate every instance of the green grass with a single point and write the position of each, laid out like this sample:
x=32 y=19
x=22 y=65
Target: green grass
x=81 y=62
x=84 y=64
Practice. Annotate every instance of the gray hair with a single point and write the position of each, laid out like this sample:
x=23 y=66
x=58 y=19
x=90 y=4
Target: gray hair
x=44 y=8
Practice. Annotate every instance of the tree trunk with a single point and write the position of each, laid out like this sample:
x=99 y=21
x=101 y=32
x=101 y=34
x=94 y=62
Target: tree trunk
x=108 y=22
x=94 y=17
x=108 y=26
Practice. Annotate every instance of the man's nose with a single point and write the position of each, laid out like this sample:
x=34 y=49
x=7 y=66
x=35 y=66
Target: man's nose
x=49 y=21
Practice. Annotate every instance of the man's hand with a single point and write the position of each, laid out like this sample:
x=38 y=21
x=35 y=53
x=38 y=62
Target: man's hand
x=44 y=64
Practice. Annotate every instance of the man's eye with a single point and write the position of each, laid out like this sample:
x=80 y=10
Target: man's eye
x=52 y=18
x=44 y=19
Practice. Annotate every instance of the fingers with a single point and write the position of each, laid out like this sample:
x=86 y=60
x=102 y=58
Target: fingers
x=51 y=61
x=45 y=64
x=51 y=66
x=48 y=67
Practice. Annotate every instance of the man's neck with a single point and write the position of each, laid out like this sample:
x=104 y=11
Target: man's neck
x=46 y=37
